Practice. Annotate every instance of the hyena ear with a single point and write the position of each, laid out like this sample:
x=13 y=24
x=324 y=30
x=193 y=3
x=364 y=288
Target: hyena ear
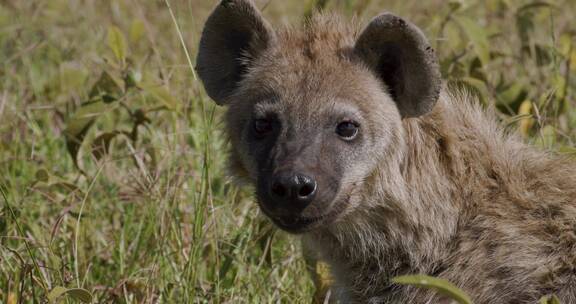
x=234 y=34
x=399 y=53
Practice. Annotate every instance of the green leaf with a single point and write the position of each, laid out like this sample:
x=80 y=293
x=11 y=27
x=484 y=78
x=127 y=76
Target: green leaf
x=136 y=30
x=117 y=43
x=55 y=293
x=498 y=6
x=525 y=26
x=549 y=300
x=79 y=124
x=525 y=23
x=570 y=151
x=477 y=35
x=108 y=88
x=439 y=285
x=510 y=97
x=526 y=120
x=42 y=175
x=71 y=78
x=454 y=5
x=3 y=221
x=543 y=54
x=161 y=94
x=131 y=79
x=101 y=145
x=80 y=294
x=535 y=5
x=547 y=137
x=66 y=187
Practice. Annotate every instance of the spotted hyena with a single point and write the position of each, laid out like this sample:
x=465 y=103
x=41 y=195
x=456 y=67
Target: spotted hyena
x=350 y=139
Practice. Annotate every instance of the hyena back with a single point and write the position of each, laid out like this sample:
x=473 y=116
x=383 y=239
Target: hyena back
x=350 y=140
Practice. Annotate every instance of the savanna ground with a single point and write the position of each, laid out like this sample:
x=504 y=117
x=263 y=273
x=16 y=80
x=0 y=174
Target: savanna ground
x=113 y=173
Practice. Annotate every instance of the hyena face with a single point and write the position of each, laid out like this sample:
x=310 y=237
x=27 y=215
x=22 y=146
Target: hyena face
x=308 y=134
x=312 y=113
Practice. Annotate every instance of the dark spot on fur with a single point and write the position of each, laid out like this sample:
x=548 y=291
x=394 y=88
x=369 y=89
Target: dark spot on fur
x=476 y=232
x=307 y=51
x=491 y=247
x=555 y=211
x=438 y=270
x=501 y=273
x=551 y=211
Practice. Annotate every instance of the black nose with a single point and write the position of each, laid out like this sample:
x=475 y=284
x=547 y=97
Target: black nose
x=293 y=188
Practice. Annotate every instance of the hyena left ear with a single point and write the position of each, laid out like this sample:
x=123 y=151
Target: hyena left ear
x=234 y=34
x=400 y=55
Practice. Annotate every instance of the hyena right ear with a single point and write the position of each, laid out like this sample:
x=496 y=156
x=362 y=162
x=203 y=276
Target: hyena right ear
x=234 y=34
x=399 y=54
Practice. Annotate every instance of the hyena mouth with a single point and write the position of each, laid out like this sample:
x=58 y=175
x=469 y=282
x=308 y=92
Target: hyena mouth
x=301 y=224
x=298 y=224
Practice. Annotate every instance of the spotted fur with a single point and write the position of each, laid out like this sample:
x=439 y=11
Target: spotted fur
x=441 y=190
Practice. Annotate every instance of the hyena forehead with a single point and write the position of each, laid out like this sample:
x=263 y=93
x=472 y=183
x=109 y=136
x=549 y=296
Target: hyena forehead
x=316 y=58
x=324 y=39
x=346 y=92
x=313 y=69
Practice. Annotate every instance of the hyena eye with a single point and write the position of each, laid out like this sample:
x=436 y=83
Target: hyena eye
x=262 y=126
x=347 y=129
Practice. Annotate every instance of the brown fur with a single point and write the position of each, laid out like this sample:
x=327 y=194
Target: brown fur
x=448 y=194
x=472 y=205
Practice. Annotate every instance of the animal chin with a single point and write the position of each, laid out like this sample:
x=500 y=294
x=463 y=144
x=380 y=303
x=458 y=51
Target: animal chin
x=298 y=224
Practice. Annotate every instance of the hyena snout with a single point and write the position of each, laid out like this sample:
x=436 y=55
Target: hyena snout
x=292 y=191
x=295 y=200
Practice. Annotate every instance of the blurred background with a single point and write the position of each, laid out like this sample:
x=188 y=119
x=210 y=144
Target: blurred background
x=113 y=184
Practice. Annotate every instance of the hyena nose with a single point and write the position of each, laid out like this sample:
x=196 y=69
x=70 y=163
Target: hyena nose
x=293 y=188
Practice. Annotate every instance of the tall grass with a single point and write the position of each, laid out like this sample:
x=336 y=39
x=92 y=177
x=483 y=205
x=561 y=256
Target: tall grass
x=114 y=181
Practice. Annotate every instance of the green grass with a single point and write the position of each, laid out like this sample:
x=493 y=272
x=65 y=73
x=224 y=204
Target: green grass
x=154 y=217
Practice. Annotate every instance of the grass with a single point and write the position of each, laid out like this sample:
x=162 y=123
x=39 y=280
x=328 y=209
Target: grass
x=114 y=165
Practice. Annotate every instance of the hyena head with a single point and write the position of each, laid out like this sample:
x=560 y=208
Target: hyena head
x=313 y=112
